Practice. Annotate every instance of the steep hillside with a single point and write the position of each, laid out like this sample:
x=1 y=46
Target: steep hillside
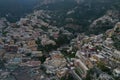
x=91 y=16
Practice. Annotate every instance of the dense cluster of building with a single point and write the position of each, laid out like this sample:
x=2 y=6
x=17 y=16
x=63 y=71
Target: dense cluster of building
x=20 y=58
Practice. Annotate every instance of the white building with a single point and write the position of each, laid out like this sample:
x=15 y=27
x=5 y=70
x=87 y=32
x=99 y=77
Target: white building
x=116 y=72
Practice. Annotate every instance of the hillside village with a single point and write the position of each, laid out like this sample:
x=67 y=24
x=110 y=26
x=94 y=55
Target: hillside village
x=33 y=49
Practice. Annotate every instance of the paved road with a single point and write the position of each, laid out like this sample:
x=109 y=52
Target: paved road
x=74 y=74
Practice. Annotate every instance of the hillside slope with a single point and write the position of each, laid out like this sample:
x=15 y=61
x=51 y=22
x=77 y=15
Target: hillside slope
x=82 y=15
